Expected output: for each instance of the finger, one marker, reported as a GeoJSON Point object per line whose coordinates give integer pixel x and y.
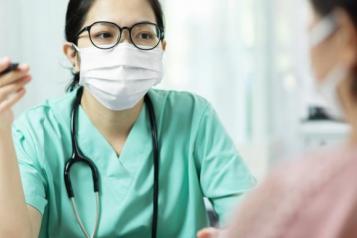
{"type": "Point", "coordinates": [22, 71]}
{"type": "Point", "coordinates": [208, 233]}
{"type": "Point", "coordinates": [4, 64]}
{"type": "Point", "coordinates": [12, 100]}
{"type": "Point", "coordinates": [12, 88]}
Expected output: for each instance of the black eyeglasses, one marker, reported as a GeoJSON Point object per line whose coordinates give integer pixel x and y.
{"type": "Point", "coordinates": [107, 35]}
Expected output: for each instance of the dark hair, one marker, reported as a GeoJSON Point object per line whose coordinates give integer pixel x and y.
{"type": "Point", "coordinates": [77, 11]}
{"type": "Point", "coordinates": [326, 7]}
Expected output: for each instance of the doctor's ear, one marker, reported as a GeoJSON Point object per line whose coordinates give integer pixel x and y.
{"type": "Point", "coordinates": [164, 44]}
{"type": "Point", "coordinates": [72, 55]}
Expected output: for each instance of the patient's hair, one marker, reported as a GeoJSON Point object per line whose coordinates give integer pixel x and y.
{"type": "Point", "coordinates": [326, 7]}
{"type": "Point", "coordinates": [77, 11]}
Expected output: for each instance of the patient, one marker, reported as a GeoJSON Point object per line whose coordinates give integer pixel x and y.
{"type": "Point", "coordinates": [315, 197]}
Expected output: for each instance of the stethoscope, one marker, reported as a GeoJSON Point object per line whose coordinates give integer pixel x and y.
{"type": "Point", "coordinates": [78, 157]}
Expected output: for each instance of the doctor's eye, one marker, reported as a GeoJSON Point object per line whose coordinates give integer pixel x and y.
{"type": "Point", "coordinates": [104, 38]}
{"type": "Point", "coordinates": [104, 35]}
{"type": "Point", "coordinates": [145, 36]}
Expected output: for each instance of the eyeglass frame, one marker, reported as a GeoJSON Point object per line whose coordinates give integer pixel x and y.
{"type": "Point", "coordinates": [121, 29]}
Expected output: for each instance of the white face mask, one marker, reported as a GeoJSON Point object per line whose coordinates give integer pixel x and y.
{"type": "Point", "coordinates": [329, 90]}
{"type": "Point", "coordinates": [328, 86]}
{"type": "Point", "coordinates": [120, 77]}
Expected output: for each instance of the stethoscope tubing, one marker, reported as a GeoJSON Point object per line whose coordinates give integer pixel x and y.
{"type": "Point", "coordinates": [77, 157]}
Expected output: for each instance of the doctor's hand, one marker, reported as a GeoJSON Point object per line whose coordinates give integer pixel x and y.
{"type": "Point", "coordinates": [12, 89]}
{"type": "Point", "coordinates": [211, 233]}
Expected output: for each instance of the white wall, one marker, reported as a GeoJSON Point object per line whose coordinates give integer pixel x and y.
{"type": "Point", "coordinates": [33, 32]}
{"type": "Point", "coordinates": [248, 57]}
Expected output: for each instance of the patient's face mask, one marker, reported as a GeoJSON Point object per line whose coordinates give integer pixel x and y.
{"type": "Point", "coordinates": [120, 77]}
{"type": "Point", "coordinates": [328, 86]}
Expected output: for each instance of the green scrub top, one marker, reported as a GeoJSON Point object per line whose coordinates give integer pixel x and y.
{"type": "Point", "coordinates": [198, 159]}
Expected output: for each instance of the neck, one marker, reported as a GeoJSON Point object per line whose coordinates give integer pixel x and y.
{"type": "Point", "coordinates": [112, 124]}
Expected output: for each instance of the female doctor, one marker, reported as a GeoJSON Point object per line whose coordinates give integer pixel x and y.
{"type": "Point", "coordinates": [113, 157]}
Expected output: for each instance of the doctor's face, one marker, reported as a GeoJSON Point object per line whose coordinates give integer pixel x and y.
{"type": "Point", "coordinates": [121, 12]}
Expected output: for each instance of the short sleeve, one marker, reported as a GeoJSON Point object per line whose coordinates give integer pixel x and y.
{"type": "Point", "coordinates": [32, 177]}
{"type": "Point", "coordinates": [224, 176]}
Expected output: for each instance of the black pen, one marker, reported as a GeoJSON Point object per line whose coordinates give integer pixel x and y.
{"type": "Point", "coordinates": [12, 67]}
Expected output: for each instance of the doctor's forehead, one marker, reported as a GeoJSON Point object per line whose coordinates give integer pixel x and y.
{"type": "Point", "coordinates": [121, 12]}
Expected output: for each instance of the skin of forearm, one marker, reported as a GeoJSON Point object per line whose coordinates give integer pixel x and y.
{"type": "Point", "coordinates": [13, 210]}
